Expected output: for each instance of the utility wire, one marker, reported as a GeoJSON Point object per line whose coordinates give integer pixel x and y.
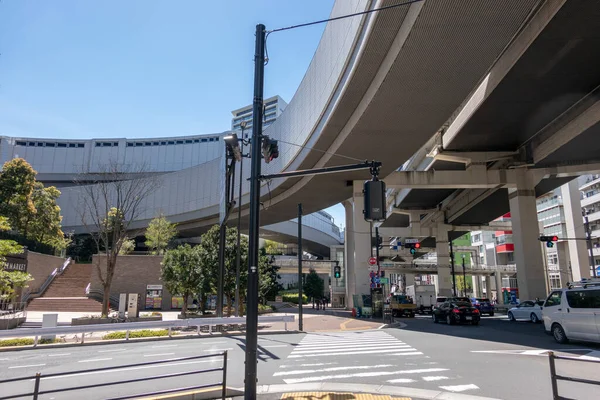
{"type": "Point", "coordinates": [344, 16]}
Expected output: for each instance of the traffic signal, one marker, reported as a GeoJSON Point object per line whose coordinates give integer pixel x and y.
{"type": "Point", "coordinates": [337, 272]}
{"type": "Point", "coordinates": [270, 149]}
{"type": "Point", "coordinates": [549, 240]}
{"type": "Point", "coordinates": [413, 247]}
{"type": "Point", "coordinates": [374, 196]}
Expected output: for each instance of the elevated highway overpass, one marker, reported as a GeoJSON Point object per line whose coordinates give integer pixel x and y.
{"type": "Point", "coordinates": [531, 125]}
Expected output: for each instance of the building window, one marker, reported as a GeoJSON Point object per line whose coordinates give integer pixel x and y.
{"type": "Point", "coordinates": [204, 140]}
{"type": "Point", "coordinates": [189, 141]}
{"type": "Point", "coordinates": [21, 143]}
{"type": "Point", "coordinates": [80, 145]}
{"type": "Point", "coordinates": [129, 144]}
{"type": "Point", "coordinates": [170, 142]}
{"type": "Point", "coordinates": [139, 144]}
{"type": "Point", "coordinates": [61, 145]}
{"type": "Point", "coordinates": [180, 142]}
{"type": "Point", "coordinates": [50, 144]}
{"type": "Point", "coordinates": [211, 139]}
{"type": "Point", "coordinates": [155, 143]}
{"type": "Point", "coordinates": [115, 144]}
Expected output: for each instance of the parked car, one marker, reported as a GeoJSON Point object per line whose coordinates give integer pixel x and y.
{"type": "Point", "coordinates": [573, 313]}
{"type": "Point", "coordinates": [453, 312]}
{"type": "Point", "coordinates": [484, 306]}
{"type": "Point", "coordinates": [528, 310]}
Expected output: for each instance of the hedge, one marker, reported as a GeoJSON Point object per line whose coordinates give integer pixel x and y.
{"type": "Point", "coordinates": [137, 334]}
{"type": "Point", "coordinates": [24, 342]}
{"type": "Point", "coordinates": [293, 298]}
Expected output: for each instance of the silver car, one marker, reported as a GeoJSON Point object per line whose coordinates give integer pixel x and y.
{"type": "Point", "coordinates": [528, 310]}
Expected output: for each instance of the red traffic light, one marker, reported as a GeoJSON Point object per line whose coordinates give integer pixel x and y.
{"type": "Point", "coordinates": [555, 238]}
{"type": "Point", "coordinates": [417, 245]}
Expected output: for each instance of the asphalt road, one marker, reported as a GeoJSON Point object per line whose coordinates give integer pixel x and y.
{"type": "Point", "coordinates": [497, 359]}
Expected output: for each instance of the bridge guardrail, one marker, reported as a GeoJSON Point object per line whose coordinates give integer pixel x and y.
{"type": "Point", "coordinates": [130, 326]}
{"type": "Point", "coordinates": [554, 377]}
{"type": "Point", "coordinates": [38, 377]}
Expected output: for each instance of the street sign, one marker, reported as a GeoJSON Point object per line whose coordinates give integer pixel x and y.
{"type": "Point", "coordinates": [372, 267]}
{"type": "Point", "coordinates": [372, 286]}
{"type": "Point", "coordinates": [372, 274]}
{"type": "Point", "coordinates": [411, 240]}
{"type": "Point", "coordinates": [377, 279]}
{"type": "Point", "coordinates": [384, 280]}
{"type": "Point", "coordinates": [372, 261]}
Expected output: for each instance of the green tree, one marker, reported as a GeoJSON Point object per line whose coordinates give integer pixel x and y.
{"type": "Point", "coordinates": [182, 273]}
{"type": "Point", "coordinates": [10, 280]}
{"type": "Point", "coordinates": [127, 247]}
{"type": "Point", "coordinates": [17, 180]}
{"type": "Point", "coordinates": [210, 263]}
{"type": "Point", "coordinates": [159, 234]}
{"type": "Point", "coordinates": [268, 285]}
{"type": "Point", "coordinates": [313, 285]}
{"type": "Point", "coordinates": [460, 285]}
{"type": "Point", "coordinates": [44, 225]}
{"type": "Point", "coordinates": [273, 248]}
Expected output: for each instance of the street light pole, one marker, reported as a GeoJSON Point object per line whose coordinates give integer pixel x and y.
{"type": "Point", "coordinates": [464, 276]}
{"type": "Point", "coordinates": [238, 256]}
{"type": "Point", "coordinates": [250, 380]}
{"type": "Point", "coordinates": [300, 322]}
{"type": "Point", "coordinates": [452, 265]}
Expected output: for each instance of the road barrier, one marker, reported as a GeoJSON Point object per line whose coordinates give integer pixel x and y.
{"type": "Point", "coordinates": [555, 377]}
{"type": "Point", "coordinates": [131, 326]}
{"type": "Point", "coordinates": [37, 378]}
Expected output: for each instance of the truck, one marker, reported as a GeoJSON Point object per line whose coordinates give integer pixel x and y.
{"type": "Point", "coordinates": [402, 305]}
{"type": "Point", "coordinates": [424, 297]}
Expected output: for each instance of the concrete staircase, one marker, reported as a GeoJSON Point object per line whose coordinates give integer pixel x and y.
{"type": "Point", "coordinates": [67, 292]}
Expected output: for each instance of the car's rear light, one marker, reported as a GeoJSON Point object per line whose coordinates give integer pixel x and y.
{"type": "Point", "coordinates": [475, 311]}
{"type": "Point", "coordinates": [456, 311]}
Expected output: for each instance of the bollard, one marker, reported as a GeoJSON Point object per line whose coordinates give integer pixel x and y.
{"type": "Point", "coordinates": [198, 330]}
{"type": "Point", "coordinates": [35, 342]}
{"type": "Point", "coordinates": [169, 331]}
{"type": "Point", "coordinates": [82, 337]}
{"type": "Point", "coordinates": [127, 334]}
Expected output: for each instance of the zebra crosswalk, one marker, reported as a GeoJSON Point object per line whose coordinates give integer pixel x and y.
{"type": "Point", "coordinates": [373, 357]}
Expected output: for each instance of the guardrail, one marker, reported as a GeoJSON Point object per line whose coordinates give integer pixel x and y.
{"type": "Point", "coordinates": [38, 377]}
{"type": "Point", "coordinates": [554, 377]}
{"type": "Point", "coordinates": [131, 326]}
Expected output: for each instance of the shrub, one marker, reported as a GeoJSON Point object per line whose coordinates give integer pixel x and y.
{"type": "Point", "coordinates": [137, 334]}
{"type": "Point", "coordinates": [293, 298]}
{"type": "Point", "coordinates": [16, 342]}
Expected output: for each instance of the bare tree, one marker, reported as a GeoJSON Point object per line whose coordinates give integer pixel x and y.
{"type": "Point", "coordinates": [110, 200]}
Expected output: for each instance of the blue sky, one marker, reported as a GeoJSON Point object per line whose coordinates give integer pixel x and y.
{"type": "Point", "coordinates": [83, 69]}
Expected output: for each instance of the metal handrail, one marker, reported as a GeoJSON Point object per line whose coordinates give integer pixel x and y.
{"type": "Point", "coordinates": [554, 377]}
{"type": "Point", "coordinates": [97, 294]}
{"type": "Point", "coordinates": [130, 326]}
{"type": "Point", "coordinates": [49, 279]}
{"type": "Point", "coordinates": [38, 377]}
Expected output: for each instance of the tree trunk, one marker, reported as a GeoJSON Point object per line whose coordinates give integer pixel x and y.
{"type": "Point", "coordinates": [203, 300]}
{"type": "Point", "coordinates": [228, 297]}
{"type": "Point", "coordinates": [185, 305]}
{"type": "Point", "coordinates": [105, 300]}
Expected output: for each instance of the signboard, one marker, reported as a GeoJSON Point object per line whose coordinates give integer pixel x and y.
{"type": "Point", "coordinates": [372, 261]}
{"type": "Point", "coordinates": [384, 280]}
{"type": "Point", "coordinates": [177, 302]}
{"type": "Point", "coordinates": [15, 262]}
{"type": "Point", "coordinates": [372, 267]}
{"type": "Point", "coordinates": [372, 274]}
{"type": "Point", "coordinates": [411, 240]}
{"type": "Point", "coordinates": [153, 287]}
{"type": "Point", "coordinates": [279, 299]}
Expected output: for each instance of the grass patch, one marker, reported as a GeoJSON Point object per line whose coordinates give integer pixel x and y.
{"type": "Point", "coordinates": [264, 307]}
{"type": "Point", "coordinates": [293, 298]}
{"type": "Point", "coordinates": [25, 342]}
{"type": "Point", "coordinates": [137, 334]}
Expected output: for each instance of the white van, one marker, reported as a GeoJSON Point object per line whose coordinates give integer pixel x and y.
{"type": "Point", "coordinates": [574, 312]}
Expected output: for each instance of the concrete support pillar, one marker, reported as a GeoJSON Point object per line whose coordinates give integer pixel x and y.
{"type": "Point", "coordinates": [578, 254]}
{"type": "Point", "coordinates": [498, 287]}
{"type": "Point", "coordinates": [409, 280]}
{"type": "Point", "coordinates": [477, 286]}
{"type": "Point", "coordinates": [349, 253]}
{"type": "Point", "coordinates": [562, 249]}
{"type": "Point", "coordinates": [531, 276]}
{"type": "Point", "coordinates": [488, 287]}
{"type": "Point", "coordinates": [362, 242]}
{"type": "Point", "coordinates": [443, 259]}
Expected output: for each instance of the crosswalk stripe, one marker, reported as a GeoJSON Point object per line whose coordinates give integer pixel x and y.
{"type": "Point", "coordinates": [459, 388]}
{"type": "Point", "coordinates": [415, 353]}
{"type": "Point", "coordinates": [307, 365]}
{"type": "Point", "coordinates": [316, 346]}
{"type": "Point", "coordinates": [434, 378]}
{"type": "Point", "coordinates": [401, 380]}
{"type": "Point", "coordinates": [323, 343]}
{"type": "Point", "coordinates": [293, 355]}
{"type": "Point", "coordinates": [341, 376]}
{"type": "Point", "coordinates": [337, 348]}
{"type": "Point", "coordinates": [331, 369]}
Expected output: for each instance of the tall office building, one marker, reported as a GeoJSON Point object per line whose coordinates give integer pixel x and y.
{"type": "Point", "coordinates": [274, 106]}
{"type": "Point", "coordinates": [590, 203]}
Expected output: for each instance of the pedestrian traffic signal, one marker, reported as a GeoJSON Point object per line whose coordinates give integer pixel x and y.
{"type": "Point", "coordinates": [413, 247]}
{"type": "Point", "coordinates": [549, 240]}
{"type": "Point", "coordinates": [270, 149]}
{"type": "Point", "coordinates": [337, 272]}
{"type": "Point", "coordinates": [374, 197]}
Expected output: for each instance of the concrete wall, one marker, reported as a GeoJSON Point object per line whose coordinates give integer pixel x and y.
{"type": "Point", "coordinates": [132, 274]}
{"type": "Point", "coordinates": [40, 266]}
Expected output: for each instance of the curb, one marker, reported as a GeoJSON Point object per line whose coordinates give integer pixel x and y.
{"type": "Point", "coordinates": [136, 340]}
{"type": "Point", "coordinates": [424, 394]}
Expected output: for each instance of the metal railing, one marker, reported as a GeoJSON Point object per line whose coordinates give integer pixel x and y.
{"type": "Point", "coordinates": [37, 378]}
{"type": "Point", "coordinates": [132, 326]}
{"type": "Point", "coordinates": [554, 377]}
{"type": "Point", "coordinates": [57, 271]}
{"type": "Point", "coordinates": [98, 295]}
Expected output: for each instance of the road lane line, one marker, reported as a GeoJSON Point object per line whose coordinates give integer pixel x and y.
{"type": "Point", "coordinates": [95, 359]}
{"type": "Point", "coordinates": [307, 365]}
{"type": "Point", "coordinates": [434, 378]}
{"type": "Point", "coordinates": [229, 348]}
{"type": "Point", "coordinates": [415, 353]}
{"type": "Point", "coordinates": [157, 355]}
{"type": "Point", "coordinates": [330, 369]}
{"type": "Point", "coordinates": [59, 355]}
{"type": "Point", "coordinates": [26, 366]}
{"type": "Point", "coordinates": [165, 345]}
{"type": "Point", "coordinates": [110, 351]}
{"type": "Point", "coordinates": [459, 388]}
{"type": "Point", "coordinates": [401, 380]}
{"type": "Point", "coordinates": [275, 345]}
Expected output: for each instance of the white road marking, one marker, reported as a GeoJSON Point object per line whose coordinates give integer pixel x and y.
{"type": "Point", "coordinates": [164, 345]}
{"type": "Point", "coordinates": [592, 356]}
{"type": "Point", "coordinates": [95, 359]}
{"type": "Point", "coordinates": [110, 351]}
{"type": "Point", "coordinates": [229, 348]}
{"type": "Point", "coordinates": [275, 345]}
{"type": "Point", "coordinates": [434, 378]}
{"type": "Point", "coordinates": [4, 359]}
{"type": "Point", "coordinates": [307, 365]}
{"type": "Point", "coordinates": [349, 344]}
{"type": "Point", "coordinates": [294, 355]}
{"type": "Point", "coordinates": [26, 366]}
{"type": "Point", "coordinates": [414, 353]}
{"type": "Point", "coordinates": [339, 348]}
{"type": "Point", "coordinates": [459, 388]}
{"type": "Point", "coordinates": [330, 369]}
{"type": "Point", "coordinates": [401, 380]}
{"type": "Point", "coordinates": [118, 370]}
{"type": "Point", "coordinates": [59, 355]}
{"type": "Point", "coordinates": [361, 375]}
{"type": "Point", "coordinates": [158, 355]}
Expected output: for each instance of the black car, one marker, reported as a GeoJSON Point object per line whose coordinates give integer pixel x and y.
{"type": "Point", "coordinates": [453, 312]}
